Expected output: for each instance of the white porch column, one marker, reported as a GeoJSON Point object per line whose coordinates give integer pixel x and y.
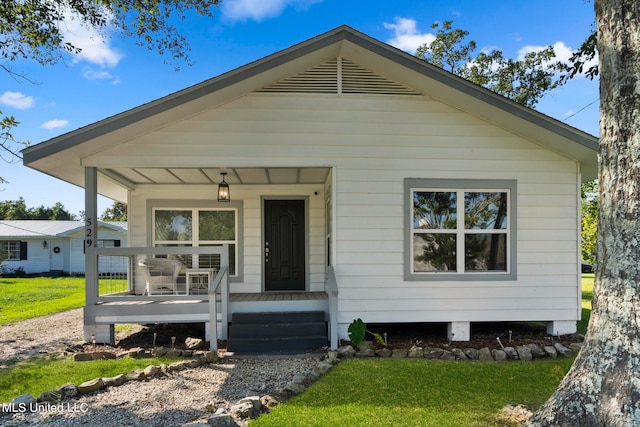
{"type": "Point", "coordinates": [92, 331]}
{"type": "Point", "coordinates": [90, 234]}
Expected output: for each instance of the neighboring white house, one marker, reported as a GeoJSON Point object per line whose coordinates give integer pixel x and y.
{"type": "Point", "coordinates": [53, 247]}
{"type": "Point", "coordinates": [358, 174]}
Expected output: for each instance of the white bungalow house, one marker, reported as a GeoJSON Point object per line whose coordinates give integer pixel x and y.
{"type": "Point", "coordinates": [54, 247]}
{"type": "Point", "coordinates": [364, 183]}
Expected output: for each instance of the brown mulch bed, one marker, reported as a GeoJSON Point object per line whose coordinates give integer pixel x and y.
{"type": "Point", "coordinates": [511, 334]}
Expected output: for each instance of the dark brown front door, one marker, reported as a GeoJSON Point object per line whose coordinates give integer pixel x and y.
{"type": "Point", "coordinates": [284, 251]}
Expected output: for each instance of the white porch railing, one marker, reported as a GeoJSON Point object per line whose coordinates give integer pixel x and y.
{"type": "Point", "coordinates": [332, 292]}
{"type": "Point", "coordinates": [219, 285]}
{"type": "Point", "coordinates": [117, 278]}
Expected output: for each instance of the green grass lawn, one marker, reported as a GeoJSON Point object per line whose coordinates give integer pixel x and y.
{"type": "Point", "coordinates": [418, 392]}
{"type": "Point", "coordinates": [44, 374]}
{"type": "Point", "coordinates": [357, 392]}
{"type": "Point", "coordinates": [22, 299]}
{"type": "Point", "coordinates": [382, 392]}
{"type": "Point", "coordinates": [587, 294]}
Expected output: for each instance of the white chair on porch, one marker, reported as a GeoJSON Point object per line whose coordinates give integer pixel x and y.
{"type": "Point", "coordinates": [160, 275]}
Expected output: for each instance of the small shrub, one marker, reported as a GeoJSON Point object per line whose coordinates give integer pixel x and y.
{"type": "Point", "coordinates": [357, 331]}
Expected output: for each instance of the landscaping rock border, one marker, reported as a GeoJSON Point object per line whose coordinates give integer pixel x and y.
{"type": "Point", "coordinates": [248, 407]}
{"type": "Point", "coordinates": [254, 406]}
{"type": "Point", "coordinates": [526, 352]}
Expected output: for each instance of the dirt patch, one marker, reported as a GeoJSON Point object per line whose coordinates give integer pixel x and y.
{"type": "Point", "coordinates": [170, 335]}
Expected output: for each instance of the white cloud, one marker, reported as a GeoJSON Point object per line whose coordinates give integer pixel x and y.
{"type": "Point", "coordinates": [259, 10]}
{"type": "Point", "coordinates": [54, 124]}
{"type": "Point", "coordinates": [91, 74]}
{"type": "Point", "coordinates": [95, 48]}
{"type": "Point", "coordinates": [17, 100]}
{"type": "Point", "coordinates": [406, 35]}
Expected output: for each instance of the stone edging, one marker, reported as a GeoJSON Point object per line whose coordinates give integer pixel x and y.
{"type": "Point", "coordinates": [253, 406]}
{"type": "Point", "coordinates": [248, 407]}
{"type": "Point", "coordinates": [525, 352]}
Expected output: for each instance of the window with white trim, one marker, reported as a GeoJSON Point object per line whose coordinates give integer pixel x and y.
{"type": "Point", "coordinates": [460, 229]}
{"type": "Point", "coordinates": [198, 227]}
{"type": "Point", "coordinates": [13, 250]}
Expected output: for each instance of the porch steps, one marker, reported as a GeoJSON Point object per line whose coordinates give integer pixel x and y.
{"type": "Point", "coordinates": [279, 332]}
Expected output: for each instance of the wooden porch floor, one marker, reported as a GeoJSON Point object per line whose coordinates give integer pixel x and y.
{"type": "Point", "coordinates": [279, 296]}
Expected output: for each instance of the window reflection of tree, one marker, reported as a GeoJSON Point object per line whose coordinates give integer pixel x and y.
{"type": "Point", "coordinates": [434, 210]}
{"type": "Point", "coordinates": [437, 252]}
{"type": "Point", "coordinates": [437, 210]}
{"type": "Point", "coordinates": [484, 211]}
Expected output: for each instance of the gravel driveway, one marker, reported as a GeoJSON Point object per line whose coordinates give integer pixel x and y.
{"type": "Point", "coordinates": [177, 399]}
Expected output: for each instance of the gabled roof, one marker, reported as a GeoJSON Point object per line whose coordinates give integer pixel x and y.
{"type": "Point", "coordinates": [63, 156]}
{"type": "Point", "coordinates": [22, 229]}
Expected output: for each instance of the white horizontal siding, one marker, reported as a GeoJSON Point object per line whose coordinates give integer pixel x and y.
{"type": "Point", "coordinates": [374, 143]}
{"type": "Point", "coordinates": [252, 243]}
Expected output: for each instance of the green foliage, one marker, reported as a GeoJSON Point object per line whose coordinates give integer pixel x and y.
{"type": "Point", "coordinates": [32, 30]}
{"type": "Point", "coordinates": [358, 330]}
{"type": "Point", "coordinates": [447, 50]}
{"type": "Point", "coordinates": [17, 209]}
{"type": "Point", "coordinates": [38, 375]}
{"type": "Point", "coordinates": [396, 392]}
{"type": "Point", "coordinates": [585, 53]}
{"type": "Point", "coordinates": [9, 149]}
{"type": "Point", "coordinates": [589, 220]}
{"type": "Point", "coordinates": [117, 212]}
{"type": "Point", "coordinates": [525, 81]}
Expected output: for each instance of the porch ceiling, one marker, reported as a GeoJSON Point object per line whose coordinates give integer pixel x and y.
{"type": "Point", "coordinates": [132, 176]}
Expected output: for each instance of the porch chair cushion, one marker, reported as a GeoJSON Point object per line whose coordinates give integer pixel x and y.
{"type": "Point", "coordinates": [160, 275]}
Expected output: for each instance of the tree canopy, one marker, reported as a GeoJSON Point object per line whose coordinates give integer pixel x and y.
{"type": "Point", "coordinates": [17, 209]}
{"type": "Point", "coordinates": [524, 80]}
{"type": "Point", "coordinates": [31, 30]}
{"type": "Point", "coordinates": [117, 212]}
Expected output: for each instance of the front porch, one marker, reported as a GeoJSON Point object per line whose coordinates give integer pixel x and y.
{"type": "Point", "coordinates": [122, 295]}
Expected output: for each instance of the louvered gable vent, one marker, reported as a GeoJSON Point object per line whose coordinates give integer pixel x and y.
{"type": "Point", "coordinates": [353, 78]}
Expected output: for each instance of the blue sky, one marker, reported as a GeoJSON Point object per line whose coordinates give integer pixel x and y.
{"type": "Point", "coordinates": [112, 74]}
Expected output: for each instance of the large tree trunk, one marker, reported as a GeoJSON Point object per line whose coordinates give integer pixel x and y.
{"type": "Point", "coordinates": [603, 386]}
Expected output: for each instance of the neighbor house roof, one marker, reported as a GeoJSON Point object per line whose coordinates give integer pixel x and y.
{"type": "Point", "coordinates": [63, 156]}
{"type": "Point", "coordinates": [22, 229]}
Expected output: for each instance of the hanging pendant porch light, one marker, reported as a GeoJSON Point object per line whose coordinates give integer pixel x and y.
{"type": "Point", "coordinates": [223, 190]}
